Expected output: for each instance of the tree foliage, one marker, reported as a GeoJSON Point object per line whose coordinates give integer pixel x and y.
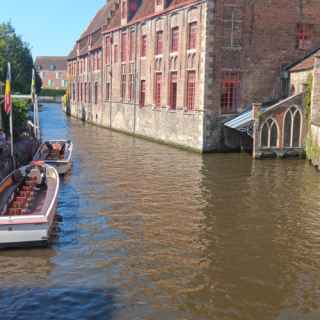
{"type": "Point", "coordinates": [13, 49]}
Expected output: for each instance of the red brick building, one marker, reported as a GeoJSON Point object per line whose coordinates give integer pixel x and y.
{"type": "Point", "coordinates": [176, 70]}
{"type": "Point", "coordinates": [53, 72]}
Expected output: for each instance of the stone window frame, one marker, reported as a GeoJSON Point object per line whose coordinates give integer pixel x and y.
{"type": "Point", "coordinates": [234, 22]}
{"type": "Point", "coordinates": [292, 126]}
{"type": "Point", "coordinates": [274, 121]}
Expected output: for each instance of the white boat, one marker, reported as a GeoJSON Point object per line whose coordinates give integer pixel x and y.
{"type": "Point", "coordinates": [28, 199]}
{"type": "Point", "coordinates": [56, 153]}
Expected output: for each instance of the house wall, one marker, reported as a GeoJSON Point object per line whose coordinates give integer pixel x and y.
{"type": "Point", "coordinates": [278, 113]}
{"type": "Point", "coordinates": [268, 42]}
{"type": "Point", "coordinates": [313, 139]}
{"type": "Point", "coordinates": [299, 80]}
{"type": "Point", "coordinates": [54, 79]}
{"type": "Point", "coordinates": [177, 126]}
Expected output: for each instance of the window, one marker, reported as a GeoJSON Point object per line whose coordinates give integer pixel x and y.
{"type": "Point", "coordinates": [108, 50]}
{"type": "Point", "coordinates": [191, 90]}
{"type": "Point", "coordinates": [131, 45]}
{"type": "Point", "coordinates": [73, 91]}
{"type": "Point", "coordinates": [96, 93]}
{"type": "Point", "coordinates": [143, 93]}
{"type": "Point", "coordinates": [304, 36]}
{"type": "Point", "coordinates": [115, 54]}
{"type": "Point", "coordinates": [157, 91]}
{"type": "Point", "coordinates": [173, 90]}
{"type": "Point", "coordinates": [292, 128]}
{"type": "Point", "coordinates": [123, 47]}
{"type": "Point", "coordinates": [230, 96]}
{"type": "Point", "coordinates": [50, 83]}
{"type": "Point", "coordinates": [269, 134]}
{"type": "Point", "coordinates": [107, 91]}
{"type": "Point", "coordinates": [175, 39]}
{"type": "Point", "coordinates": [143, 46]}
{"type": "Point", "coordinates": [81, 92]}
{"type": "Point", "coordinates": [85, 92]}
{"type": "Point", "coordinates": [98, 60]}
{"type": "Point", "coordinates": [159, 42]}
{"type": "Point", "coordinates": [232, 26]}
{"type": "Point", "coordinates": [123, 87]}
{"type": "Point", "coordinates": [89, 93]}
{"type": "Point", "coordinates": [192, 35]}
{"type": "Point", "coordinates": [78, 92]}
{"type": "Point", "coordinates": [131, 88]}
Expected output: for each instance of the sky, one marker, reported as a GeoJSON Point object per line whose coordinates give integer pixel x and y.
{"type": "Point", "coordinates": [50, 27]}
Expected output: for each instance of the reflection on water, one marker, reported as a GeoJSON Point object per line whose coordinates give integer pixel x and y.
{"type": "Point", "coordinates": [151, 232]}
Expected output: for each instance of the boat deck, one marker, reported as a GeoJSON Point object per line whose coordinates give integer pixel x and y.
{"type": "Point", "coordinates": [27, 199]}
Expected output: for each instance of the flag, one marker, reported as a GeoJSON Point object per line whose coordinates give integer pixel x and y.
{"type": "Point", "coordinates": [33, 86]}
{"type": "Point", "coordinates": [7, 97]}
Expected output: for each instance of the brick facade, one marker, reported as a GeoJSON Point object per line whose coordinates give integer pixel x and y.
{"type": "Point", "coordinates": [53, 72]}
{"type": "Point", "coordinates": [241, 49]}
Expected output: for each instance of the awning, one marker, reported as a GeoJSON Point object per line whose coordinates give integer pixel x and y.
{"type": "Point", "coordinates": [242, 122]}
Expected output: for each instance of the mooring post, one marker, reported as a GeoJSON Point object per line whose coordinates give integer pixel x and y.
{"type": "Point", "coordinates": [256, 109]}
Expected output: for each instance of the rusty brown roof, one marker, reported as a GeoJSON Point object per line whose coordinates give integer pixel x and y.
{"type": "Point", "coordinates": [145, 10]}
{"type": "Point", "coordinates": [306, 63]}
{"type": "Point", "coordinates": [51, 63]}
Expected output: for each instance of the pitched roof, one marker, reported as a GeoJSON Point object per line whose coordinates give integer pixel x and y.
{"type": "Point", "coordinates": [145, 10]}
{"type": "Point", "coordinates": [94, 26]}
{"type": "Point", "coordinates": [97, 22]}
{"type": "Point", "coordinates": [306, 63]}
{"type": "Point", "coordinates": [48, 63]}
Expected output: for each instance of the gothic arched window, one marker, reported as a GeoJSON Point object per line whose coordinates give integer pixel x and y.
{"type": "Point", "coordinates": [292, 128]}
{"type": "Point", "coordinates": [269, 134]}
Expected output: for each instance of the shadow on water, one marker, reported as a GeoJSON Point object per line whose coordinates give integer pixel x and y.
{"type": "Point", "coordinates": [45, 303]}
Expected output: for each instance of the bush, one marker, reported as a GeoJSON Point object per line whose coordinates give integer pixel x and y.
{"type": "Point", "coordinates": [19, 119]}
{"type": "Point", "coordinates": [52, 93]}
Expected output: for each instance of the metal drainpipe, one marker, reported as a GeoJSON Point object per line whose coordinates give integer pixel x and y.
{"type": "Point", "coordinates": [135, 82]}
{"type": "Point", "coordinates": [111, 80]}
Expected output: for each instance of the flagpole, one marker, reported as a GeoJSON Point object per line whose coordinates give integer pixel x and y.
{"type": "Point", "coordinates": [11, 140]}
{"type": "Point", "coordinates": [9, 109]}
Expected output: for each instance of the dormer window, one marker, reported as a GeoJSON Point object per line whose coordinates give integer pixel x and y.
{"type": "Point", "coordinates": [160, 5]}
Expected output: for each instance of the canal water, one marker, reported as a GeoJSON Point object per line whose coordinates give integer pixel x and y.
{"type": "Point", "coordinates": [146, 231]}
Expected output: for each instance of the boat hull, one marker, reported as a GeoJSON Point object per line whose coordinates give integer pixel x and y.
{"type": "Point", "coordinates": [63, 167]}
{"type": "Point", "coordinates": [30, 230]}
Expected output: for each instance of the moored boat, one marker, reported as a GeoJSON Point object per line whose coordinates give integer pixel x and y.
{"type": "Point", "coordinates": [28, 198]}
{"type": "Point", "coordinates": [56, 153]}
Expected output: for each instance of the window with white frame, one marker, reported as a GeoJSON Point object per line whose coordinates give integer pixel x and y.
{"type": "Point", "coordinates": [292, 128]}
{"type": "Point", "coordinates": [269, 134]}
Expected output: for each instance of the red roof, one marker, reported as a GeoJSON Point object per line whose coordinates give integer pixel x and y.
{"type": "Point", "coordinates": [51, 63]}
{"type": "Point", "coordinates": [145, 10]}
{"type": "Point", "coordinates": [306, 64]}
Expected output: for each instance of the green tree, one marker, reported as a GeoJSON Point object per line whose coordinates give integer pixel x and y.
{"type": "Point", "coordinates": [16, 51]}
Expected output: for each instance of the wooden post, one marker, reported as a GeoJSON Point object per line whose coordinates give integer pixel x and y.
{"type": "Point", "coordinates": [256, 108]}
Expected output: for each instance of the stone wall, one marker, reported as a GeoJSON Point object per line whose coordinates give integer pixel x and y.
{"type": "Point", "coordinates": [163, 125]}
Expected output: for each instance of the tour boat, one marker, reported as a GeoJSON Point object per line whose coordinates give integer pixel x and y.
{"type": "Point", "coordinates": [28, 198]}
{"type": "Point", "coordinates": [56, 153]}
